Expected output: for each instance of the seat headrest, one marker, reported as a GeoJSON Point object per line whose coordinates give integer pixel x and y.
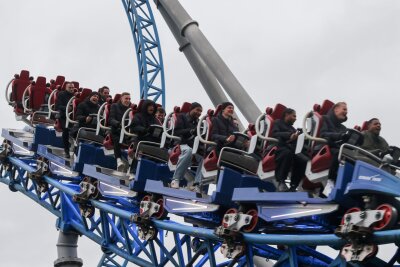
{"type": "Point", "coordinates": [278, 111]}
{"type": "Point", "coordinates": [116, 98]}
{"type": "Point", "coordinates": [40, 81]}
{"type": "Point", "coordinates": [24, 75]}
{"type": "Point", "coordinates": [364, 126]}
{"type": "Point", "coordinates": [140, 104]}
{"type": "Point", "coordinates": [186, 107]}
{"type": "Point", "coordinates": [269, 110]}
{"type": "Point", "coordinates": [76, 84]}
{"type": "Point", "coordinates": [59, 80]}
{"type": "Point", "coordinates": [326, 106]}
{"type": "Point", "coordinates": [210, 112]}
{"type": "Point", "coordinates": [218, 110]}
{"type": "Point", "coordinates": [177, 109]}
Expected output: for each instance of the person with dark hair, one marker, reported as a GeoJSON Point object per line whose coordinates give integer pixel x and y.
{"type": "Point", "coordinates": [373, 142]}
{"type": "Point", "coordinates": [336, 134]}
{"type": "Point", "coordinates": [63, 98]}
{"type": "Point", "coordinates": [186, 130]}
{"type": "Point", "coordinates": [104, 93]}
{"type": "Point", "coordinates": [85, 112]}
{"type": "Point", "coordinates": [224, 127]}
{"type": "Point", "coordinates": [160, 114]}
{"type": "Point", "coordinates": [143, 120]}
{"type": "Point", "coordinates": [116, 113]}
{"type": "Point", "coordinates": [285, 157]}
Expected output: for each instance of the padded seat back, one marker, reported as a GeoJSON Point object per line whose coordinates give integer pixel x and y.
{"type": "Point", "coordinates": [80, 97]}
{"type": "Point", "coordinates": [58, 82]}
{"type": "Point", "coordinates": [37, 93]}
{"type": "Point", "coordinates": [18, 87]}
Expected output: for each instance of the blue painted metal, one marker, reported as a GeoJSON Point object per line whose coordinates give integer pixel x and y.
{"type": "Point", "coordinates": [148, 50]}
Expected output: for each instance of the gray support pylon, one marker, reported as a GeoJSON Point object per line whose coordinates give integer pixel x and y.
{"type": "Point", "coordinates": [203, 73]}
{"type": "Point", "coordinates": [189, 29]}
{"type": "Point", "coordinates": [67, 250]}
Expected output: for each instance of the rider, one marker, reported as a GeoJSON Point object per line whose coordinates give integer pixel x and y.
{"type": "Point", "coordinates": [160, 114]}
{"type": "Point", "coordinates": [336, 134]}
{"type": "Point", "coordinates": [224, 127]}
{"type": "Point", "coordinates": [186, 129]}
{"type": "Point", "coordinates": [373, 142]}
{"type": "Point", "coordinates": [285, 157]}
{"type": "Point", "coordinates": [104, 93]}
{"type": "Point", "coordinates": [116, 113]}
{"type": "Point", "coordinates": [61, 105]}
{"type": "Point", "coordinates": [84, 111]}
{"type": "Point", "coordinates": [143, 120]}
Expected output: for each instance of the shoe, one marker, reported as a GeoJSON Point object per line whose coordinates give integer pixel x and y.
{"type": "Point", "coordinates": [330, 184]}
{"type": "Point", "coordinates": [175, 184]}
{"type": "Point", "coordinates": [120, 163]}
{"type": "Point", "coordinates": [282, 187]}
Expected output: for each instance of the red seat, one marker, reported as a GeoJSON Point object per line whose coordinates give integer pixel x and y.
{"type": "Point", "coordinates": [37, 94]}
{"type": "Point", "coordinates": [18, 86]}
{"type": "Point", "coordinates": [59, 81]}
{"type": "Point", "coordinates": [266, 168]}
{"type": "Point", "coordinates": [210, 163]}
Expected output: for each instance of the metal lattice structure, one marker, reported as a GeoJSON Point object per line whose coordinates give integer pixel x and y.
{"type": "Point", "coordinates": [147, 48]}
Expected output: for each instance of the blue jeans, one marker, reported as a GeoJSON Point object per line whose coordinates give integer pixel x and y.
{"type": "Point", "coordinates": [184, 162]}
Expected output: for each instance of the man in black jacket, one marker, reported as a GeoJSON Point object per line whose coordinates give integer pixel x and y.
{"type": "Point", "coordinates": [186, 130]}
{"type": "Point", "coordinates": [223, 127]}
{"type": "Point", "coordinates": [143, 120]}
{"type": "Point", "coordinates": [335, 133]}
{"type": "Point", "coordinates": [116, 113]}
{"type": "Point", "coordinates": [63, 98]}
{"type": "Point", "coordinates": [85, 112]}
{"type": "Point", "coordinates": [285, 157]}
{"type": "Point", "coordinates": [373, 142]}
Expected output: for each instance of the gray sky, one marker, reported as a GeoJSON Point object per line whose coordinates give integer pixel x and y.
{"type": "Point", "coordinates": [294, 52]}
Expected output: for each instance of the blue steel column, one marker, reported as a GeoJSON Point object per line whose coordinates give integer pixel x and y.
{"type": "Point", "coordinates": [148, 50]}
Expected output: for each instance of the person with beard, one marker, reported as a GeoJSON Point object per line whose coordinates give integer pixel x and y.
{"type": "Point", "coordinates": [335, 133]}
{"type": "Point", "coordinates": [143, 120]}
{"type": "Point", "coordinates": [373, 142]}
{"type": "Point", "coordinates": [116, 113]}
{"type": "Point", "coordinates": [223, 127]}
{"type": "Point", "coordinates": [104, 94]}
{"type": "Point", "coordinates": [285, 157]}
{"type": "Point", "coordinates": [160, 114]}
{"type": "Point", "coordinates": [63, 98]}
{"type": "Point", "coordinates": [186, 130]}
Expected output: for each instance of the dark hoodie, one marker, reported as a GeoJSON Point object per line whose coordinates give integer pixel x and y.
{"type": "Point", "coordinates": [116, 113]}
{"type": "Point", "coordinates": [84, 109]}
{"type": "Point", "coordinates": [61, 103]}
{"type": "Point", "coordinates": [142, 120]}
{"type": "Point", "coordinates": [332, 129]}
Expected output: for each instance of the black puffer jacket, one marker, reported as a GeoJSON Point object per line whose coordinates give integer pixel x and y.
{"type": "Point", "coordinates": [142, 120]}
{"type": "Point", "coordinates": [85, 109]}
{"type": "Point", "coordinates": [282, 131]}
{"type": "Point", "coordinates": [222, 128]}
{"type": "Point", "coordinates": [116, 113]}
{"type": "Point", "coordinates": [332, 129]}
{"type": "Point", "coordinates": [62, 101]}
{"type": "Point", "coordinates": [186, 129]}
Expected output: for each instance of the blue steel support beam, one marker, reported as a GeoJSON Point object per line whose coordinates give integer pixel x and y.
{"type": "Point", "coordinates": [147, 49]}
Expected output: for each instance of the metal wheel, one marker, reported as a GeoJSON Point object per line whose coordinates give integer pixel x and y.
{"type": "Point", "coordinates": [252, 226]}
{"type": "Point", "coordinates": [225, 220]}
{"type": "Point", "coordinates": [389, 218]}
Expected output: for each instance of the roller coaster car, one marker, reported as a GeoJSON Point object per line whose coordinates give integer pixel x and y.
{"type": "Point", "coordinates": [364, 182]}
{"type": "Point", "coordinates": [205, 209]}
{"type": "Point", "coordinates": [18, 85]}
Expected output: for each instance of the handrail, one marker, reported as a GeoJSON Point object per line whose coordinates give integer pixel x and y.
{"type": "Point", "coordinates": [257, 128]}
{"type": "Point", "coordinates": [68, 113]}
{"type": "Point", "coordinates": [165, 130]}
{"type": "Point", "coordinates": [123, 130]}
{"type": "Point", "coordinates": [7, 94]}
{"type": "Point", "coordinates": [201, 139]}
{"type": "Point", "coordinates": [363, 151]}
{"type": "Point", "coordinates": [49, 105]}
{"type": "Point", "coordinates": [306, 134]}
{"type": "Point", "coordinates": [24, 102]}
{"type": "Point", "coordinates": [100, 119]}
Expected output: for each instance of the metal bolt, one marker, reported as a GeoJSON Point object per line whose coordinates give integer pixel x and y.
{"type": "Point", "coordinates": [363, 215]}
{"type": "Point", "coordinates": [236, 218]}
{"type": "Point", "coordinates": [377, 215]}
{"type": "Point", "coordinates": [226, 218]}
{"type": "Point", "coordinates": [348, 217]}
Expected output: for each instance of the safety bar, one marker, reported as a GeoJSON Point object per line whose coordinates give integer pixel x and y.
{"type": "Point", "coordinates": [165, 125]}
{"type": "Point", "coordinates": [201, 139]}
{"type": "Point", "coordinates": [49, 105]}
{"type": "Point", "coordinates": [258, 131]}
{"type": "Point", "coordinates": [7, 93]}
{"type": "Point", "coordinates": [123, 126]}
{"type": "Point", "coordinates": [230, 149]}
{"type": "Point", "coordinates": [69, 113]}
{"type": "Point", "coordinates": [305, 130]}
{"type": "Point", "coordinates": [101, 118]}
{"type": "Point", "coordinates": [25, 101]}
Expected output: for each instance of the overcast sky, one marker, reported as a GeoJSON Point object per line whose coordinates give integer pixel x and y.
{"type": "Point", "coordinates": [294, 52]}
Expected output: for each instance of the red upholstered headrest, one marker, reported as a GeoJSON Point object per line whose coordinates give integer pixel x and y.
{"type": "Point", "coordinates": [24, 75]}
{"type": "Point", "coordinates": [85, 93]}
{"type": "Point", "coordinates": [76, 85]}
{"type": "Point", "coordinates": [116, 98]}
{"type": "Point", "coordinates": [185, 107]}
{"type": "Point", "coordinates": [218, 110]}
{"type": "Point", "coordinates": [278, 111]}
{"type": "Point", "coordinates": [317, 107]}
{"type": "Point", "coordinates": [139, 105]}
{"type": "Point", "coordinates": [177, 109]}
{"type": "Point", "coordinates": [269, 110]}
{"type": "Point", "coordinates": [357, 127]}
{"type": "Point", "coordinates": [40, 81]}
{"type": "Point", "coordinates": [210, 112]}
{"type": "Point", "coordinates": [364, 126]}
{"type": "Point", "coordinates": [59, 80]}
{"type": "Point", "coordinates": [326, 106]}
